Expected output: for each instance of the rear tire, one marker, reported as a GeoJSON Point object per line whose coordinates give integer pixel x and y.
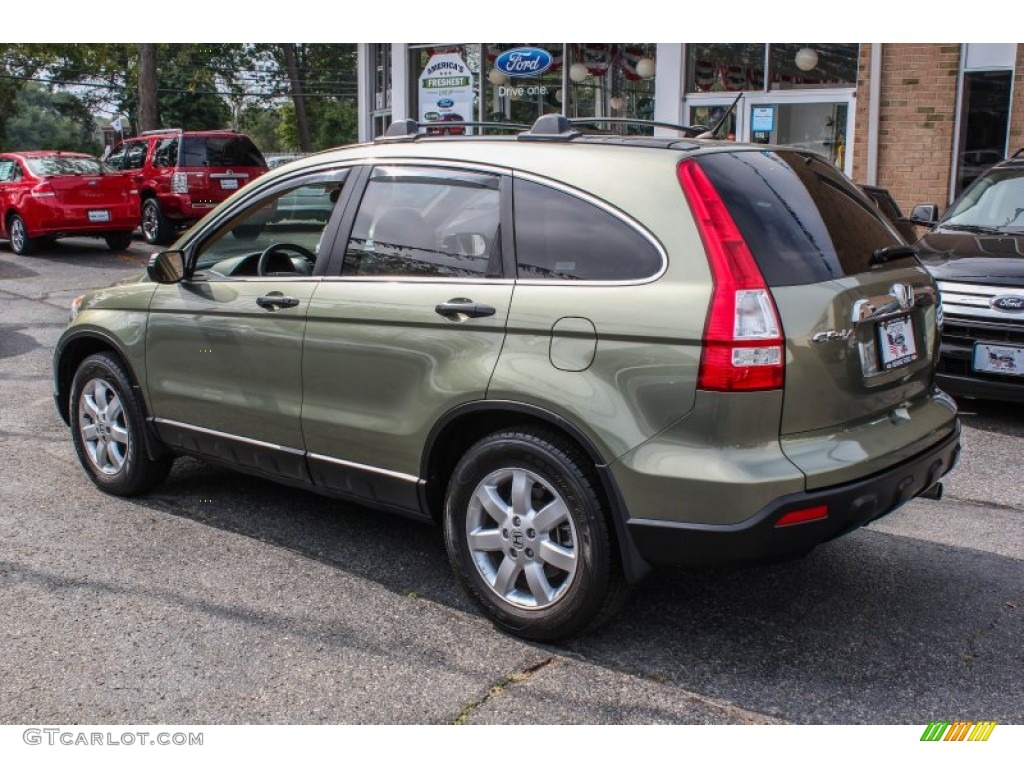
{"type": "Point", "coordinates": [107, 428]}
{"type": "Point", "coordinates": [156, 227]}
{"type": "Point", "coordinates": [118, 241]}
{"type": "Point", "coordinates": [21, 243]}
{"type": "Point", "coordinates": [529, 536]}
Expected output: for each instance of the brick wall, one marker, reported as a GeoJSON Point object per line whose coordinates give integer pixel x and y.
{"type": "Point", "coordinates": [917, 114]}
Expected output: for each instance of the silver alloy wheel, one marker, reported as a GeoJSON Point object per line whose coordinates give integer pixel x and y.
{"type": "Point", "coordinates": [18, 234]}
{"type": "Point", "coordinates": [103, 426]}
{"type": "Point", "coordinates": [150, 221]}
{"type": "Point", "coordinates": [522, 538]}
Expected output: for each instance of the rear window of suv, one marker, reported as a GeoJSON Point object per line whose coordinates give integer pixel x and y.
{"type": "Point", "coordinates": [802, 219]}
{"type": "Point", "coordinates": [206, 151]}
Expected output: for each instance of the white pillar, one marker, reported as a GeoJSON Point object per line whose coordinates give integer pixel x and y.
{"type": "Point", "coordinates": [668, 87]}
{"type": "Point", "coordinates": [400, 83]}
{"type": "Point", "coordinates": [364, 89]}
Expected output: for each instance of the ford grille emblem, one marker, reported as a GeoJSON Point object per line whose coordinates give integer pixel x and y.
{"type": "Point", "coordinates": [524, 62]}
{"type": "Point", "coordinates": [1009, 303]}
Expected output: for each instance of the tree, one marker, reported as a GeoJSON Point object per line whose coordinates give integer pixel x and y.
{"type": "Point", "coordinates": [50, 120]}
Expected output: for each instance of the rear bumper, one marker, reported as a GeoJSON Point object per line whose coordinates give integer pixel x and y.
{"type": "Point", "coordinates": [983, 387]}
{"type": "Point", "coordinates": [850, 506]}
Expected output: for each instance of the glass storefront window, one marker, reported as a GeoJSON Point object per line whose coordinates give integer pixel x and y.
{"type": "Point", "coordinates": [720, 67]}
{"type": "Point", "coordinates": [708, 116]}
{"type": "Point", "coordinates": [445, 85]}
{"type": "Point", "coordinates": [819, 127]}
{"type": "Point", "coordinates": [512, 92]}
{"type": "Point", "coordinates": [612, 80]}
{"type": "Point", "coordinates": [984, 120]}
{"type": "Point", "coordinates": [813, 65]}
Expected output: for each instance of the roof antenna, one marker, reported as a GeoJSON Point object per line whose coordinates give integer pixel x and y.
{"type": "Point", "coordinates": [713, 133]}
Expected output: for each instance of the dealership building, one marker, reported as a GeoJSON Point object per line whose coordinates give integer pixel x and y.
{"type": "Point", "coordinates": [922, 119]}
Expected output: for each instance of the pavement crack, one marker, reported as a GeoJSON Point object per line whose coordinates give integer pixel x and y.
{"type": "Point", "coordinates": [500, 687]}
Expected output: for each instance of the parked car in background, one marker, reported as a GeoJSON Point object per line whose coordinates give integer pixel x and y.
{"type": "Point", "coordinates": [182, 175]}
{"type": "Point", "coordinates": [976, 253]}
{"type": "Point", "coordinates": [45, 195]}
{"type": "Point", "coordinates": [581, 355]}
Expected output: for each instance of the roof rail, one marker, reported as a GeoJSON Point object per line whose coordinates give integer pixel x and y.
{"type": "Point", "coordinates": [161, 130]}
{"type": "Point", "coordinates": [550, 128]}
{"type": "Point", "coordinates": [409, 130]}
{"type": "Point", "coordinates": [691, 130]}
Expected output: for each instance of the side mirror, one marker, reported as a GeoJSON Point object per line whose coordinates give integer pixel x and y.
{"type": "Point", "coordinates": [925, 215]}
{"type": "Point", "coordinates": [166, 267]}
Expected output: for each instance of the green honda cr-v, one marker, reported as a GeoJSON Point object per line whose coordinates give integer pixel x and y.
{"type": "Point", "coordinates": [582, 355]}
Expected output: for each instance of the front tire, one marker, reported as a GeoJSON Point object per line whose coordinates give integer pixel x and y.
{"type": "Point", "coordinates": [107, 427]}
{"type": "Point", "coordinates": [21, 243]}
{"type": "Point", "coordinates": [528, 534]}
{"type": "Point", "coordinates": [156, 228]}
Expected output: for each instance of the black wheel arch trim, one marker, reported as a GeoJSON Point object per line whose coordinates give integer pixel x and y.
{"type": "Point", "coordinates": [634, 565]}
{"type": "Point", "coordinates": [63, 375]}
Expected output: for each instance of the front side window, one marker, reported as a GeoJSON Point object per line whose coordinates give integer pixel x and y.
{"type": "Point", "coordinates": [116, 158]}
{"type": "Point", "coordinates": [166, 154]}
{"type": "Point", "coordinates": [418, 222]}
{"type": "Point", "coordinates": [562, 237]}
{"type": "Point", "coordinates": [281, 235]}
{"type": "Point", "coordinates": [135, 156]}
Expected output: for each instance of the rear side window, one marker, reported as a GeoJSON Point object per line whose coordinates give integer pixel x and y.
{"type": "Point", "coordinates": [166, 153]}
{"type": "Point", "coordinates": [200, 151]}
{"type": "Point", "coordinates": [802, 219]}
{"type": "Point", "coordinates": [562, 237]}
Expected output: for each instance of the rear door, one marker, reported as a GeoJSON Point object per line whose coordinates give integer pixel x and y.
{"type": "Point", "coordinates": [859, 314]}
{"type": "Point", "coordinates": [409, 326]}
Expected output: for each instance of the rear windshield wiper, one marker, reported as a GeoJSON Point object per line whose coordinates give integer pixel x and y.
{"type": "Point", "coordinates": [883, 255]}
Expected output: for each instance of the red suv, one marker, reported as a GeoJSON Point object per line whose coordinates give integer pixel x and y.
{"type": "Point", "coordinates": [182, 175]}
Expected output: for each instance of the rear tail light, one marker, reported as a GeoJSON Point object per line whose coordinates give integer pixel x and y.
{"type": "Point", "coordinates": [179, 183]}
{"type": "Point", "coordinates": [43, 189]}
{"type": "Point", "coordinates": [743, 343]}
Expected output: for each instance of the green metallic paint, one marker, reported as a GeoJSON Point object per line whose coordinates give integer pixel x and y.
{"type": "Point", "coordinates": [381, 366]}
{"type": "Point", "coordinates": [219, 361]}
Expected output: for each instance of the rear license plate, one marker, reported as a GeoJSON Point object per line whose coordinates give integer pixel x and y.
{"type": "Point", "coordinates": [97, 216]}
{"type": "Point", "coordinates": [896, 342]}
{"type": "Point", "coordinates": [229, 183]}
{"type": "Point", "coordinates": [995, 358]}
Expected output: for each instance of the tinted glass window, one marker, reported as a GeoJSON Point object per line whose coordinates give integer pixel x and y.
{"type": "Point", "coordinates": [116, 158]}
{"type": "Point", "coordinates": [562, 237]}
{"type": "Point", "coordinates": [135, 155]}
{"type": "Point", "coordinates": [200, 151]}
{"type": "Point", "coordinates": [802, 219]}
{"type": "Point", "coordinates": [166, 154]}
{"type": "Point", "coordinates": [8, 170]}
{"type": "Point", "coordinates": [427, 223]}
{"type": "Point", "coordinates": [65, 166]}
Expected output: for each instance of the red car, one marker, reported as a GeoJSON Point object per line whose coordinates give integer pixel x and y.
{"type": "Point", "coordinates": [45, 195]}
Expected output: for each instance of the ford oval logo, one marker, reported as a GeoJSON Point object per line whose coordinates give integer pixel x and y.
{"type": "Point", "coordinates": [524, 62]}
{"type": "Point", "coordinates": [446, 103]}
{"type": "Point", "coordinates": [1009, 303]}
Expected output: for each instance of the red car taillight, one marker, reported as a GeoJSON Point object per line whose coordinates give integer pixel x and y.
{"type": "Point", "coordinates": [179, 182]}
{"type": "Point", "coordinates": [743, 342]}
{"type": "Point", "coordinates": [42, 189]}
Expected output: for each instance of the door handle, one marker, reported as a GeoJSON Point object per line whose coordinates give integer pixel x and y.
{"type": "Point", "coordinates": [276, 300]}
{"type": "Point", "coordinates": [465, 307]}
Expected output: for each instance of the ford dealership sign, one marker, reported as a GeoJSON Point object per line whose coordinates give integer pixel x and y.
{"type": "Point", "coordinates": [524, 62]}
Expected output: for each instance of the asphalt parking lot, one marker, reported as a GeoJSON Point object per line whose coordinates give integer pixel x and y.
{"type": "Point", "coordinates": [226, 599]}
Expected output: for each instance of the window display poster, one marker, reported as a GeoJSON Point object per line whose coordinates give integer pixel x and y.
{"type": "Point", "coordinates": [763, 119]}
{"type": "Point", "coordinates": [446, 93]}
